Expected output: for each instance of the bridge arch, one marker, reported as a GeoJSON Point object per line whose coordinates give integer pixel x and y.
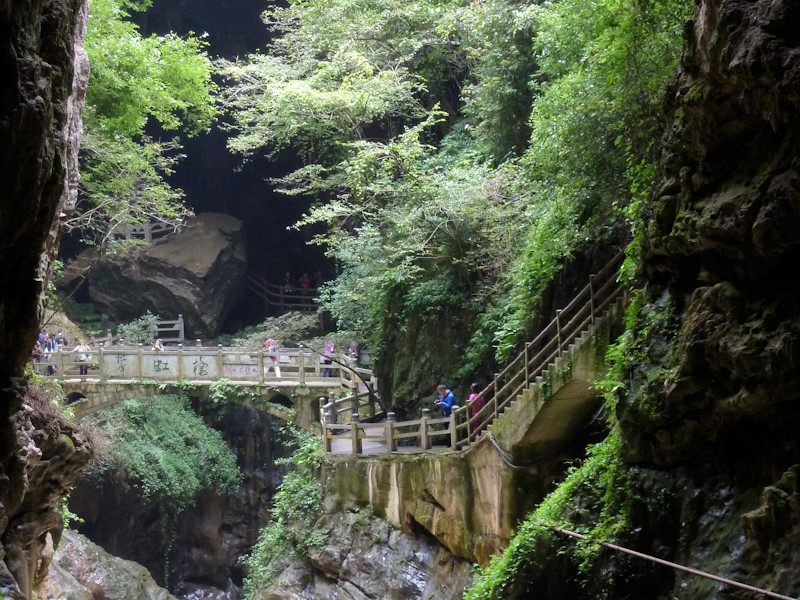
{"type": "Point", "coordinates": [75, 397]}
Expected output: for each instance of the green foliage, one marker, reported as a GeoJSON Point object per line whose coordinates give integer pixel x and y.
{"type": "Point", "coordinates": [288, 329]}
{"type": "Point", "coordinates": [166, 451]}
{"type": "Point", "coordinates": [295, 508]}
{"type": "Point", "coordinates": [67, 516]}
{"type": "Point", "coordinates": [224, 390]}
{"type": "Point", "coordinates": [134, 80]}
{"type": "Point", "coordinates": [139, 331]}
{"type": "Point", "coordinates": [495, 140]}
{"type": "Point", "coordinates": [594, 500]}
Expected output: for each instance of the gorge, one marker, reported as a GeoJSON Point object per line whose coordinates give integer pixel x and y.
{"type": "Point", "coordinates": [700, 462]}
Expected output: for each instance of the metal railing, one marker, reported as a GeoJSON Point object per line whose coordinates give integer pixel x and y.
{"type": "Point", "coordinates": [282, 297]}
{"type": "Point", "coordinates": [461, 428]}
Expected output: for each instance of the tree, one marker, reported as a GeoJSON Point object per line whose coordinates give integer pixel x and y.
{"type": "Point", "coordinates": [492, 140]}
{"type": "Point", "coordinates": [136, 81]}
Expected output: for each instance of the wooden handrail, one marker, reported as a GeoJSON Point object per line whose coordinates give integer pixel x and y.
{"type": "Point", "coordinates": [532, 362]}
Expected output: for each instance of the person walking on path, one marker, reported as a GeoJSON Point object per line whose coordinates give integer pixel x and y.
{"type": "Point", "coordinates": [326, 359]}
{"type": "Point", "coordinates": [446, 400]}
{"type": "Point", "coordinates": [82, 354]}
{"type": "Point", "coordinates": [272, 356]}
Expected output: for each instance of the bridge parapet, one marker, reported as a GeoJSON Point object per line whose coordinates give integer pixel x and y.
{"type": "Point", "coordinates": [204, 364]}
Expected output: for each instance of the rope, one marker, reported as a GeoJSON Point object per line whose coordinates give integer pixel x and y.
{"type": "Point", "coordinates": [672, 565]}
{"type": "Point", "coordinates": [505, 455]}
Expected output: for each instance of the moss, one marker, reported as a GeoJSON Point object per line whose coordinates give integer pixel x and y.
{"type": "Point", "coordinates": [595, 500]}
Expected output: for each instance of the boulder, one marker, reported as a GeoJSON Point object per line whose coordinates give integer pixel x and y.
{"type": "Point", "coordinates": [198, 272]}
{"type": "Point", "coordinates": [82, 570]}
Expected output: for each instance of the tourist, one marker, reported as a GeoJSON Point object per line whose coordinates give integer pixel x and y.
{"type": "Point", "coordinates": [326, 359]}
{"type": "Point", "coordinates": [475, 400]}
{"type": "Point", "coordinates": [49, 347]}
{"type": "Point", "coordinates": [158, 346]}
{"type": "Point", "coordinates": [305, 282]}
{"type": "Point", "coordinates": [272, 357]}
{"type": "Point", "coordinates": [61, 339]}
{"type": "Point", "coordinates": [445, 401]}
{"type": "Point", "coordinates": [354, 352]}
{"type": "Point", "coordinates": [82, 355]}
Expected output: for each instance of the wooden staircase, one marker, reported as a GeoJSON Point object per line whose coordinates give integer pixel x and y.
{"type": "Point", "coordinates": [518, 395]}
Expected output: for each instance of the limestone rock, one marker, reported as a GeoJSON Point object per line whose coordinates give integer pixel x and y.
{"type": "Point", "coordinates": [84, 571]}
{"type": "Point", "coordinates": [211, 535]}
{"type": "Point", "coordinates": [366, 558]}
{"type": "Point", "coordinates": [197, 272]}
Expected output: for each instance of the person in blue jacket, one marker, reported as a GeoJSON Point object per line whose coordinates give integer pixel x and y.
{"type": "Point", "coordinates": [446, 400]}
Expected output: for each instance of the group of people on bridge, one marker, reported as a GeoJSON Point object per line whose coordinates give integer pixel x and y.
{"type": "Point", "coordinates": [47, 344]}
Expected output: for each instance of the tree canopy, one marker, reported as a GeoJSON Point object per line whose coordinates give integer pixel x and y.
{"type": "Point", "coordinates": [135, 83]}
{"type": "Point", "coordinates": [458, 152]}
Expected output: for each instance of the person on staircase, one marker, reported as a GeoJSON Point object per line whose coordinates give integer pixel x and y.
{"type": "Point", "coordinates": [445, 401]}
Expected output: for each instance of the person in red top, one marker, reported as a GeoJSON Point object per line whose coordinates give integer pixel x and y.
{"type": "Point", "coordinates": [272, 357]}
{"type": "Point", "coordinates": [475, 400]}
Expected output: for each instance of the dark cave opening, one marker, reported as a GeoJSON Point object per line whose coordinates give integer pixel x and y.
{"type": "Point", "coordinates": [215, 180]}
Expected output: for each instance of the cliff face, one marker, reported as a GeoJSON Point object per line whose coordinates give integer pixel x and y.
{"type": "Point", "coordinates": [198, 272]}
{"type": "Point", "coordinates": [721, 241]}
{"type": "Point", "coordinates": [43, 74]}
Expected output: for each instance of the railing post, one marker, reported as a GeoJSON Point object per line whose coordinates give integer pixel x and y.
{"type": "Point", "coordinates": [591, 296]}
{"type": "Point", "coordinates": [301, 366]}
{"type": "Point", "coordinates": [558, 329]}
{"type": "Point", "coordinates": [354, 404]}
{"type": "Point", "coordinates": [391, 443]}
{"type": "Point", "coordinates": [327, 434]}
{"type": "Point", "coordinates": [494, 397]}
{"type": "Point", "coordinates": [261, 368]}
{"type": "Point", "coordinates": [423, 429]}
{"type": "Point", "coordinates": [139, 361]}
{"type": "Point", "coordinates": [101, 363]}
{"type": "Point", "coordinates": [181, 331]}
{"type": "Point", "coordinates": [322, 415]}
{"type": "Point", "coordinates": [334, 412]}
{"type": "Point", "coordinates": [527, 374]}
{"type": "Point", "coordinates": [354, 432]}
{"type": "Point", "coordinates": [219, 361]}
{"type": "Point", "coordinates": [180, 362]}
{"type": "Point", "coordinates": [453, 432]}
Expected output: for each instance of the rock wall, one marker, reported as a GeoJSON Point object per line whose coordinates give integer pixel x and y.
{"type": "Point", "coordinates": [43, 74]}
{"type": "Point", "coordinates": [711, 407]}
{"type": "Point", "coordinates": [721, 242]}
{"type": "Point", "coordinates": [211, 536]}
{"type": "Point", "coordinates": [198, 272]}
{"type": "Point", "coordinates": [468, 502]}
{"type": "Point", "coordinates": [367, 558]}
{"type": "Point", "coordinates": [82, 570]}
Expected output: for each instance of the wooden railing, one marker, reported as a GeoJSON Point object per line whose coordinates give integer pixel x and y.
{"type": "Point", "coordinates": [201, 364]}
{"type": "Point", "coordinates": [282, 297]}
{"type": "Point", "coordinates": [170, 332]}
{"type": "Point", "coordinates": [153, 233]}
{"type": "Point", "coordinates": [461, 429]}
